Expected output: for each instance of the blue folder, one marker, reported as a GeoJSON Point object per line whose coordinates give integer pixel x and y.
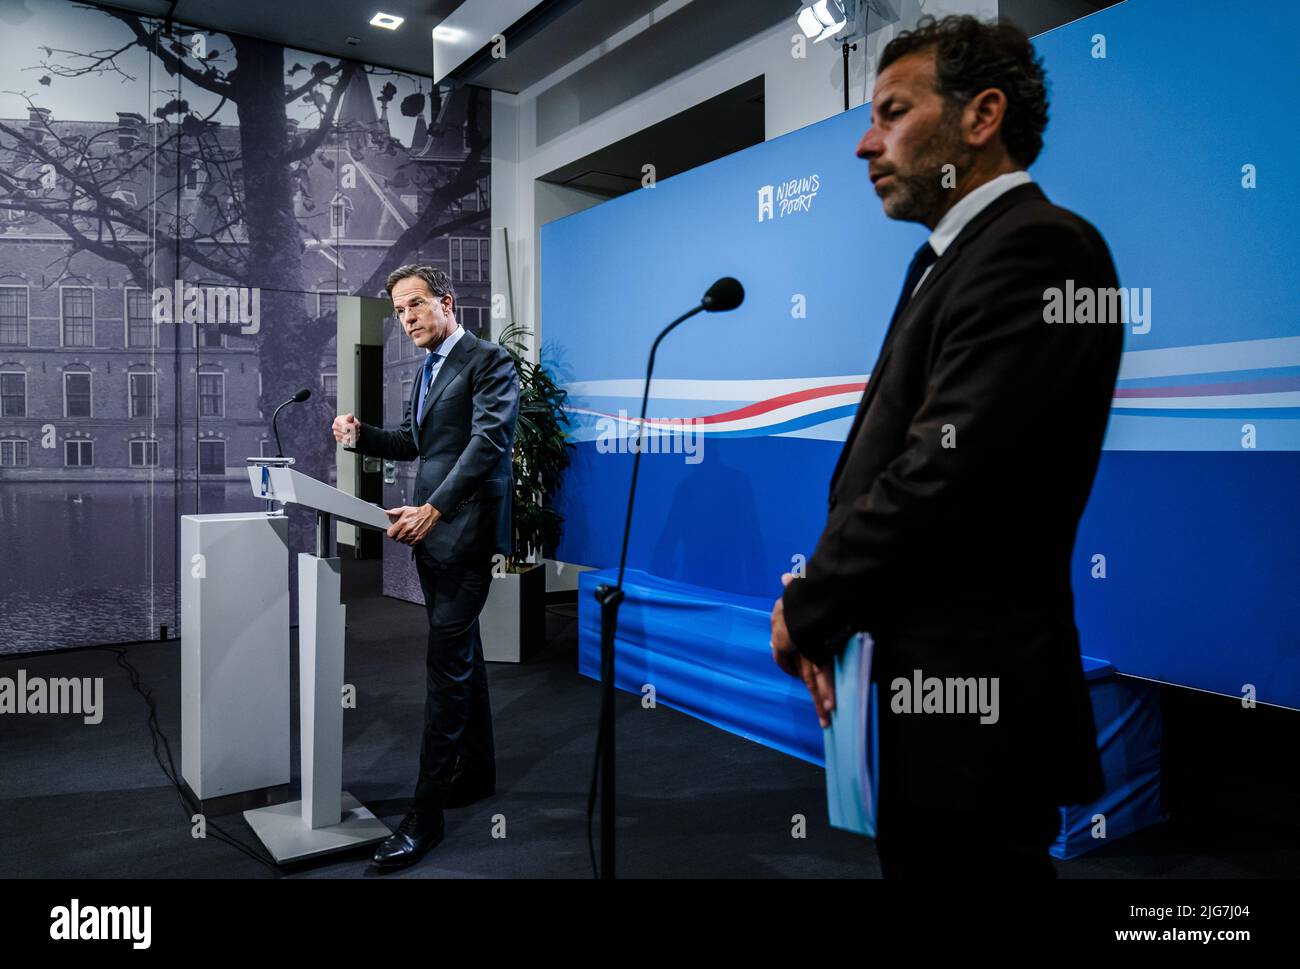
{"type": "Point", "coordinates": [852, 754]}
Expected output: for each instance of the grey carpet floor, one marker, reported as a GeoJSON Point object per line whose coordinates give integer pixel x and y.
{"type": "Point", "coordinates": [90, 801]}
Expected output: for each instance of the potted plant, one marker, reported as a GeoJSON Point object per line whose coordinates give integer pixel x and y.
{"type": "Point", "coordinates": [514, 618]}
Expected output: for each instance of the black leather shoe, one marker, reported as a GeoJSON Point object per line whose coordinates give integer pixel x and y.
{"type": "Point", "coordinates": [418, 832]}
{"type": "Point", "coordinates": [465, 792]}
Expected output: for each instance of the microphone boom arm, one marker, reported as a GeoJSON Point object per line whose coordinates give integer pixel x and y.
{"type": "Point", "coordinates": [297, 398]}
{"type": "Point", "coordinates": [640, 429]}
{"type": "Point", "coordinates": [279, 451]}
{"type": "Point", "coordinates": [725, 294]}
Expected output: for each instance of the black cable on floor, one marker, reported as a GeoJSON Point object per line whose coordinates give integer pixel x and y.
{"type": "Point", "coordinates": [169, 768]}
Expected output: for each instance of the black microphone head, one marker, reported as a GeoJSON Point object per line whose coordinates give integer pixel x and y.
{"type": "Point", "coordinates": [302, 395]}
{"type": "Point", "coordinates": [725, 294]}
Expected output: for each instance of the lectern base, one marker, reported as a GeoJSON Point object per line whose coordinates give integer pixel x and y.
{"type": "Point", "coordinates": [280, 828]}
{"type": "Point", "coordinates": [237, 803]}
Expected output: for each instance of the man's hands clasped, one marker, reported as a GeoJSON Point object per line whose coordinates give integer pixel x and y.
{"type": "Point", "coordinates": [819, 680]}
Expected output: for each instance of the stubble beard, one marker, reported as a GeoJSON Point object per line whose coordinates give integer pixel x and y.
{"type": "Point", "coordinates": [920, 194]}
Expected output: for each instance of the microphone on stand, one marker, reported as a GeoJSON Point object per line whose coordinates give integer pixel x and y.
{"type": "Point", "coordinates": [297, 398]}
{"type": "Point", "coordinates": [725, 294]}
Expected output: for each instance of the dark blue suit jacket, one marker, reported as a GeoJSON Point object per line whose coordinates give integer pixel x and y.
{"type": "Point", "coordinates": [463, 440]}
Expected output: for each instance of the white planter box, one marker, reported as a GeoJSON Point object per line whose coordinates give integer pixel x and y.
{"type": "Point", "coordinates": [513, 621]}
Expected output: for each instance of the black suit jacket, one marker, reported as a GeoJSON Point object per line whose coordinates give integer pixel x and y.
{"type": "Point", "coordinates": [954, 506]}
{"type": "Point", "coordinates": [463, 441]}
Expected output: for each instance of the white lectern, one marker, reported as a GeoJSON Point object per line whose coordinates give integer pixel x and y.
{"type": "Point", "coordinates": [235, 657]}
{"type": "Point", "coordinates": [327, 819]}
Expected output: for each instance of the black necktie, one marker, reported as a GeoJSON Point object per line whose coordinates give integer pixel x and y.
{"type": "Point", "coordinates": [923, 260]}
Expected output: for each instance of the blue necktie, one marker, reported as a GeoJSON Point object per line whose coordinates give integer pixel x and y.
{"type": "Point", "coordinates": [925, 257]}
{"type": "Point", "coordinates": [425, 379]}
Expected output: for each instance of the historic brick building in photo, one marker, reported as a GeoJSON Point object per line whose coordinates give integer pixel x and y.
{"type": "Point", "coordinates": [90, 386]}
{"type": "Point", "coordinates": [133, 157]}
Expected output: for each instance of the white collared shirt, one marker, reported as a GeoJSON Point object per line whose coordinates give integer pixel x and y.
{"type": "Point", "coordinates": [971, 205]}
{"type": "Point", "coordinates": [444, 349]}
{"type": "Point", "coordinates": [441, 354]}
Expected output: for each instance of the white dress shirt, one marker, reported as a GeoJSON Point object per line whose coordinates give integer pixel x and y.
{"type": "Point", "coordinates": [956, 218]}
{"type": "Point", "coordinates": [440, 357]}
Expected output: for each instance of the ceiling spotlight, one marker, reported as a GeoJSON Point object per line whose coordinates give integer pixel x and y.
{"type": "Point", "coordinates": [449, 34]}
{"type": "Point", "coordinates": [822, 19]}
{"type": "Point", "coordinates": [386, 20]}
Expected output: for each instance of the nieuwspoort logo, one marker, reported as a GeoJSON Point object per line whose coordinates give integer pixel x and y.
{"type": "Point", "coordinates": [788, 198]}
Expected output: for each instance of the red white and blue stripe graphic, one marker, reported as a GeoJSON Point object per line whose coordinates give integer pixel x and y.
{"type": "Point", "coordinates": [720, 408]}
{"type": "Point", "coordinates": [1247, 380]}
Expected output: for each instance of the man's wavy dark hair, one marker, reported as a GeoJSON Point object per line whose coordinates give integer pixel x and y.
{"type": "Point", "coordinates": [971, 56]}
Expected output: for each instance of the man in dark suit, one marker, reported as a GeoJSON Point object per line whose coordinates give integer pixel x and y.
{"type": "Point", "coordinates": [954, 505]}
{"type": "Point", "coordinates": [460, 426]}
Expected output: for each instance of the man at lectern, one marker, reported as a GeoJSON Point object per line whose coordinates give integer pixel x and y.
{"type": "Point", "coordinates": [460, 428]}
{"type": "Point", "coordinates": [954, 505]}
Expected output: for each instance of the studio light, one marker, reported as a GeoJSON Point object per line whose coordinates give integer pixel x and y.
{"type": "Point", "coordinates": [450, 35]}
{"type": "Point", "coordinates": [386, 20]}
{"type": "Point", "coordinates": [823, 19]}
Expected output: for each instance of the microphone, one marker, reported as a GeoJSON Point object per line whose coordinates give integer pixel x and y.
{"type": "Point", "coordinates": [725, 294]}
{"type": "Point", "coordinates": [297, 398]}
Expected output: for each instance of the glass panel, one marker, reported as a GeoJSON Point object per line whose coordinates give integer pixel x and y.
{"type": "Point", "coordinates": [13, 454]}
{"type": "Point", "coordinates": [143, 397]}
{"type": "Point", "coordinates": [211, 403]}
{"type": "Point", "coordinates": [77, 394]}
{"type": "Point", "coordinates": [140, 329]}
{"type": "Point", "coordinates": [78, 454]}
{"type": "Point", "coordinates": [212, 457]}
{"type": "Point", "coordinates": [13, 315]}
{"type": "Point", "coordinates": [78, 316]}
{"type": "Point", "coordinates": [13, 395]}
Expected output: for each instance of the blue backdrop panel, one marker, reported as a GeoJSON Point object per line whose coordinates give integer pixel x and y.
{"type": "Point", "coordinates": [1202, 569]}
{"type": "Point", "coordinates": [1129, 730]}
{"type": "Point", "coordinates": [705, 653]}
{"type": "Point", "coordinates": [1194, 509]}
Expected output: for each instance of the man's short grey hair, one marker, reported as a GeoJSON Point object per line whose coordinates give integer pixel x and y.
{"type": "Point", "coordinates": [439, 282]}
